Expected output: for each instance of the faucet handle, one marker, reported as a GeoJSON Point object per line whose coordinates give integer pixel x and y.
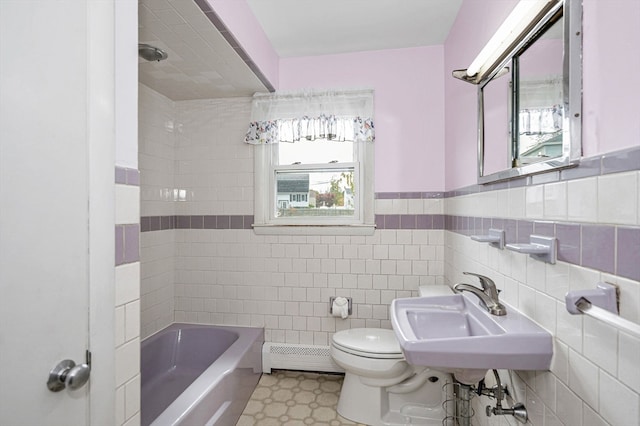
{"type": "Point", "coordinates": [487, 284]}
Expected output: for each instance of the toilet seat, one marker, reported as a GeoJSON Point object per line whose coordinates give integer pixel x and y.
{"type": "Point", "coordinates": [374, 343]}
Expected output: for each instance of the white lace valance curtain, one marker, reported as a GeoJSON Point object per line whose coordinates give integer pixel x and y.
{"type": "Point", "coordinates": [540, 120]}
{"type": "Point", "coordinates": [537, 116]}
{"type": "Point", "coordinates": [339, 116]}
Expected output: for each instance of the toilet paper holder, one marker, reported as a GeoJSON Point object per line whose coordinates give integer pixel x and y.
{"type": "Point", "coordinates": [349, 307]}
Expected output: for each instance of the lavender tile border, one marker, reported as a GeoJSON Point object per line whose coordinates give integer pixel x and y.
{"type": "Point", "coordinates": [127, 237]}
{"type": "Point", "coordinates": [628, 250]}
{"type": "Point", "coordinates": [161, 223]}
{"type": "Point", "coordinates": [408, 195]}
{"type": "Point", "coordinates": [598, 247]}
{"type": "Point", "coordinates": [607, 248]}
{"type": "Point", "coordinates": [388, 221]}
{"type": "Point", "coordinates": [127, 176]}
{"type": "Point", "coordinates": [127, 243]}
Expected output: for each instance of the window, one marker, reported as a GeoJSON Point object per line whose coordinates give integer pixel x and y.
{"type": "Point", "coordinates": [317, 181]}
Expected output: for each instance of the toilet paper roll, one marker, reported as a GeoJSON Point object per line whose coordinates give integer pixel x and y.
{"type": "Point", "coordinates": [340, 307]}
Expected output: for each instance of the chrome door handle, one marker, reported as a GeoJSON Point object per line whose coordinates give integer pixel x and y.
{"type": "Point", "coordinates": [68, 374]}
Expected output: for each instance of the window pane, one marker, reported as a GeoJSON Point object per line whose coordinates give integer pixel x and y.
{"type": "Point", "coordinates": [306, 193]}
{"type": "Point", "coordinates": [319, 151]}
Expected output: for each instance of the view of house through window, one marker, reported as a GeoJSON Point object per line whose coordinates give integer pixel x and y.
{"type": "Point", "coordinates": [315, 178]}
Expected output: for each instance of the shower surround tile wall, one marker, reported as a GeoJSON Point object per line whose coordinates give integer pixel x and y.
{"type": "Point", "coordinates": [156, 161]}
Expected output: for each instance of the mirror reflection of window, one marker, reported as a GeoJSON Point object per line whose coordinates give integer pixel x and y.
{"type": "Point", "coordinates": [540, 97]}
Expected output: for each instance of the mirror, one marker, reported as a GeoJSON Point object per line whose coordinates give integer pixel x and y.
{"type": "Point", "coordinates": [529, 107]}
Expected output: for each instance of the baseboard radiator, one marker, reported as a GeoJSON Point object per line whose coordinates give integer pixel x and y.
{"type": "Point", "coordinates": [287, 356]}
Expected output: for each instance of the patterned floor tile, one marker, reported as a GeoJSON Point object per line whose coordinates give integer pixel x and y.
{"type": "Point", "coordinates": [293, 398]}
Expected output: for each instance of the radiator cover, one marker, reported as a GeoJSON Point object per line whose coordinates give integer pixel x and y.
{"type": "Point", "coordinates": [288, 356]}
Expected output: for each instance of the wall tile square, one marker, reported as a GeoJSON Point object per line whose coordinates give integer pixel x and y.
{"type": "Point", "coordinates": [127, 362]}
{"type": "Point", "coordinates": [628, 250]}
{"type": "Point", "coordinates": [127, 204]}
{"type": "Point", "coordinates": [132, 397]}
{"type": "Point", "coordinates": [569, 405]}
{"type": "Point", "coordinates": [618, 198]}
{"type": "Point", "coordinates": [598, 247]}
{"type": "Point", "coordinates": [601, 344]}
{"type": "Point", "coordinates": [618, 404]}
{"type": "Point", "coordinates": [534, 207]}
{"type": "Point", "coordinates": [555, 201]}
{"type": "Point", "coordinates": [127, 283]}
{"type": "Point", "coordinates": [583, 379]}
{"type": "Point", "coordinates": [569, 242]}
{"type": "Point", "coordinates": [582, 198]}
{"type": "Point", "coordinates": [628, 371]}
{"type": "Point", "coordinates": [591, 418]}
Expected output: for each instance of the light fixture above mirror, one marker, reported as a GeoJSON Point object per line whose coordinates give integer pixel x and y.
{"type": "Point", "coordinates": [521, 21]}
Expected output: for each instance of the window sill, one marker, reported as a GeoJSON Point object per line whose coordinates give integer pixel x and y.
{"type": "Point", "coordinates": [364, 230]}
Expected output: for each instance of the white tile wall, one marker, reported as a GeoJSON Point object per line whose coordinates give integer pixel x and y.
{"type": "Point", "coordinates": [284, 283]}
{"type": "Point", "coordinates": [214, 167]}
{"type": "Point", "coordinates": [594, 374]}
{"type": "Point", "coordinates": [156, 281]}
{"type": "Point", "coordinates": [157, 141]}
{"type": "Point", "coordinates": [156, 157]}
{"type": "Point", "coordinates": [127, 317]}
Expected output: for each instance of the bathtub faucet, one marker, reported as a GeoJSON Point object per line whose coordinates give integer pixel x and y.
{"type": "Point", "coordinates": [488, 295]}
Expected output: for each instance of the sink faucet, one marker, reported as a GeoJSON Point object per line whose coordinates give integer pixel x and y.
{"type": "Point", "coordinates": [488, 295]}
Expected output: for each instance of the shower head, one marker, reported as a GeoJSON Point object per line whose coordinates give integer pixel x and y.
{"type": "Point", "coordinates": [151, 53]}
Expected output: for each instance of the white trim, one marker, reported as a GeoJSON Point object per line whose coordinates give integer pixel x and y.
{"type": "Point", "coordinates": [101, 144]}
{"type": "Point", "coordinates": [338, 230]}
{"type": "Point", "coordinates": [265, 159]}
{"type": "Point", "coordinates": [314, 220]}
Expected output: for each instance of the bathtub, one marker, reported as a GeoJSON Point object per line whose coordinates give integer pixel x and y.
{"type": "Point", "coordinates": [199, 374]}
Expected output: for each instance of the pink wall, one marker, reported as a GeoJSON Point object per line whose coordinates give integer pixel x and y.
{"type": "Point", "coordinates": [238, 17]}
{"type": "Point", "coordinates": [610, 93]}
{"type": "Point", "coordinates": [611, 106]}
{"type": "Point", "coordinates": [409, 118]}
{"type": "Point", "coordinates": [475, 24]}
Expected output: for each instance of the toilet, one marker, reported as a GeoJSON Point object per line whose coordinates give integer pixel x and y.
{"type": "Point", "coordinates": [380, 388]}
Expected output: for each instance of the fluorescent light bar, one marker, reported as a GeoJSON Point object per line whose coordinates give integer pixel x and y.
{"type": "Point", "coordinates": [525, 12]}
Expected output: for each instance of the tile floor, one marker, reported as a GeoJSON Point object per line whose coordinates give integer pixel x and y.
{"type": "Point", "coordinates": [293, 398]}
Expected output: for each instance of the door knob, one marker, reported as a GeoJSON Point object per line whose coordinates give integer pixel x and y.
{"type": "Point", "coordinates": [68, 374]}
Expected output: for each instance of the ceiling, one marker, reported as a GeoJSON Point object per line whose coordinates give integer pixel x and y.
{"type": "Point", "coordinates": [321, 27]}
{"type": "Point", "coordinates": [202, 64]}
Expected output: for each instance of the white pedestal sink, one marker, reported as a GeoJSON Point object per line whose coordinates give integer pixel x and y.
{"type": "Point", "coordinates": [455, 334]}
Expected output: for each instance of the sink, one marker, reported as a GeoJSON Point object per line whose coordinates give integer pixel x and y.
{"type": "Point", "coordinates": [455, 334]}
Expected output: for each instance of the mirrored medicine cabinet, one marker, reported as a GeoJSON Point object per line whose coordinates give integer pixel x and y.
{"type": "Point", "coordinates": [530, 97]}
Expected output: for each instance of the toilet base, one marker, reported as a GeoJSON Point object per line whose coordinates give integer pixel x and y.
{"type": "Point", "coordinates": [375, 406]}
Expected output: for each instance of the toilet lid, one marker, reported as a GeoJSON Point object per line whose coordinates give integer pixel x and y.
{"type": "Point", "coordinates": [373, 342]}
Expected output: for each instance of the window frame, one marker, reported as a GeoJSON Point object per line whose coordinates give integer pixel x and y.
{"type": "Point", "coordinates": [265, 196]}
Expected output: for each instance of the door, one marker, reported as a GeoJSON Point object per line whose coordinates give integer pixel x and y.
{"type": "Point", "coordinates": [45, 129]}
